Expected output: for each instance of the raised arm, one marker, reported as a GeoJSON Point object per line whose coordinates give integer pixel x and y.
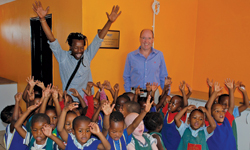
{"type": "Point", "coordinates": [212, 124]}
{"type": "Point", "coordinates": [167, 83]}
{"type": "Point", "coordinates": [15, 114]}
{"type": "Point", "coordinates": [111, 18]}
{"type": "Point", "coordinates": [189, 90]}
{"type": "Point", "coordinates": [210, 101]}
{"type": "Point", "coordinates": [37, 7]}
{"type": "Point", "coordinates": [230, 85]}
{"type": "Point", "coordinates": [137, 93]}
{"type": "Point", "coordinates": [60, 125]}
{"type": "Point", "coordinates": [139, 118]}
{"type": "Point", "coordinates": [177, 118]}
{"type": "Point", "coordinates": [20, 121]}
{"type": "Point", "coordinates": [55, 94]}
{"type": "Point", "coordinates": [47, 131]}
{"type": "Point", "coordinates": [210, 85]}
{"type": "Point", "coordinates": [245, 104]}
{"type": "Point", "coordinates": [108, 87]}
{"type": "Point", "coordinates": [45, 97]}
{"type": "Point", "coordinates": [154, 88]}
{"type": "Point", "coordinates": [78, 96]}
{"type": "Point", "coordinates": [116, 89]}
{"type": "Point", "coordinates": [182, 88]}
{"type": "Point", "coordinates": [107, 110]}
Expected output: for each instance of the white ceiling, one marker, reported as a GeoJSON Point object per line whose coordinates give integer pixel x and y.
{"type": "Point", "coordinates": [5, 1]}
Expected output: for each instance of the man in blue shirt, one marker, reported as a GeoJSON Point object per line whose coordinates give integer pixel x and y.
{"type": "Point", "coordinates": [145, 64]}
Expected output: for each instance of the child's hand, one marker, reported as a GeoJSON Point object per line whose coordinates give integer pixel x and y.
{"type": "Point", "coordinates": [209, 83]}
{"type": "Point", "coordinates": [47, 92]}
{"type": "Point", "coordinates": [94, 128]}
{"type": "Point", "coordinates": [47, 130]}
{"type": "Point", "coordinates": [33, 107]}
{"type": "Point", "coordinates": [41, 85]}
{"type": "Point", "coordinates": [242, 87]}
{"type": "Point", "coordinates": [71, 106]}
{"type": "Point", "coordinates": [217, 87]}
{"type": "Point", "coordinates": [168, 81]}
{"type": "Point", "coordinates": [18, 97]}
{"type": "Point", "coordinates": [54, 92]}
{"type": "Point", "coordinates": [74, 92]}
{"type": "Point", "coordinates": [31, 81]}
{"type": "Point", "coordinates": [148, 87]}
{"type": "Point", "coordinates": [236, 85]}
{"type": "Point", "coordinates": [154, 86]}
{"type": "Point", "coordinates": [138, 91]}
{"type": "Point", "coordinates": [31, 95]}
{"type": "Point", "coordinates": [182, 86]}
{"type": "Point", "coordinates": [148, 104]}
{"type": "Point", "coordinates": [191, 107]}
{"type": "Point", "coordinates": [203, 109]}
{"type": "Point", "coordinates": [107, 85]}
{"type": "Point", "coordinates": [99, 85]}
{"type": "Point", "coordinates": [229, 83]}
{"type": "Point", "coordinates": [60, 93]}
{"type": "Point", "coordinates": [87, 91]}
{"type": "Point", "coordinates": [107, 110]}
{"type": "Point", "coordinates": [189, 88]}
{"type": "Point", "coordinates": [116, 87]}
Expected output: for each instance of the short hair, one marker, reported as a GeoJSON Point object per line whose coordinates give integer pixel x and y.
{"type": "Point", "coordinates": [80, 118]}
{"type": "Point", "coordinates": [147, 29]}
{"type": "Point", "coordinates": [118, 99]}
{"type": "Point", "coordinates": [132, 107]}
{"type": "Point", "coordinates": [116, 116]}
{"type": "Point", "coordinates": [40, 117]}
{"type": "Point", "coordinates": [49, 107]}
{"type": "Point", "coordinates": [144, 99]}
{"type": "Point", "coordinates": [182, 102]}
{"type": "Point", "coordinates": [196, 110]}
{"type": "Point", "coordinates": [71, 112]}
{"type": "Point", "coordinates": [221, 97]}
{"type": "Point", "coordinates": [6, 113]}
{"type": "Point", "coordinates": [76, 36]}
{"type": "Point", "coordinates": [153, 120]}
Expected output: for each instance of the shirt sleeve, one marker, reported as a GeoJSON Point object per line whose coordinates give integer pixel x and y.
{"type": "Point", "coordinates": [207, 134]}
{"type": "Point", "coordinates": [126, 75]}
{"type": "Point", "coordinates": [103, 95]}
{"type": "Point", "coordinates": [59, 53]}
{"type": "Point", "coordinates": [90, 110]}
{"type": "Point", "coordinates": [93, 47]}
{"type": "Point", "coordinates": [236, 112]}
{"type": "Point", "coordinates": [27, 139]}
{"type": "Point", "coordinates": [151, 138]}
{"type": "Point", "coordinates": [127, 137]}
{"type": "Point", "coordinates": [182, 128]}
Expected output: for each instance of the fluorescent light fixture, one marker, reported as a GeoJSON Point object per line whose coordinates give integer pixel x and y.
{"type": "Point", "coordinates": [5, 1]}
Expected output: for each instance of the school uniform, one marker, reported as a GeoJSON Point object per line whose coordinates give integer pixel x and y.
{"type": "Point", "coordinates": [100, 120]}
{"type": "Point", "coordinates": [159, 134]}
{"type": "Point", "coordinates": [73, 144]}
{"type": "Point", "coordinates": [13, 141]}
{"type": "Point", "coordinates": [122, 143]}
{"type": "Point", "coordinates": [149, 140]}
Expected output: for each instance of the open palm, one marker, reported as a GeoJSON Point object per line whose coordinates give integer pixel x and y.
{"type": "Point", "coordinates": [37, 7]}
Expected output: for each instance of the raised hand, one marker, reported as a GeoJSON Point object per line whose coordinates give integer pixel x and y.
{"type": "Point", "coordinates": [191, 107]}
{"type": "Point", "coordinates": [47, 130]}
{"type": "Point", "coordinates": [148, 87]}
{"type": "Point", "coordinates": [229, 83]}
{"type": "Point", "coordinates": [242, 87]}
{"type": "Point", "coordinates": [114, 13]}
{"type": "Point", "coordinates": [138, 91]}
{"type": "Point", "coordinates": [71, 106]}
{"type": "Point", "coordinates": [107, 109]}
{"type": "Point", "coordinates": [116, 87]}
{"type": "Point", "coordinates": [74, 92]}
{"type": "Point", "coordinates": [18, 97]}
{"type": "Point", "coordinates": [47, 92]}
{"type": "Point", "coordinates": [236, 85]}
{"type": "Point", "coordinates": [33, 107]}
{"type": "Point", "coordinates": [40, 84]}
{"type": "Point", "coordinates": [217, 87]}
{"type": "Point", "coordinates": [107, 85]}
{"type": "Point", "coordinates": [37, 7]}
{"type": "Point", "coordinates": [148, 104]}
{"type": "Point", "coordinates": [54, 91]}
{"type": "Point", "coordinates": [154, 86]}
{"type": "Point", "coordinates": [31, 95]}
{"type": "Point", "coordinates": [203, 109]}
{"type": "Point", "coordinates": [168, 81]}
{"type": "Point", "coordinates": [209, 83]}
{"type": "Point", "coordinates": [99, 85]}
{"type": "Point", "coordinates": [94, 128]}
{"type": "Point", "coordinates": [189, 87]}
{"type": "Point", "coordinates": [31, 81]}
{"type": "Point", "coordinates": [182, 85]}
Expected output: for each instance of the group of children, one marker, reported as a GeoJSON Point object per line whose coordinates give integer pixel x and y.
{"type": "Point", "coordinates": [54, 121]}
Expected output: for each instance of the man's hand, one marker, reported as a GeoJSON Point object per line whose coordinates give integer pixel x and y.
{"type": "Point", "coordinates": [114, 13]}
{"type": "Point", "coordinates": [37, 7]}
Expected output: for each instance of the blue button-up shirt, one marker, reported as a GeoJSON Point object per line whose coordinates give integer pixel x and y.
{"type": "Point", "coordinates": [67, 64]}
{"type": "Point", "coordinates": [140, 70]}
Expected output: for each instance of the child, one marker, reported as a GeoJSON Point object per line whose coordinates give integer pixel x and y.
{"type": "Point", "coordinates": [129, 107]}
{"type": "Point", "coordinates": [170, 136]}
{"type": "Point", "coordinates": [120, 101]}
{"type": "Point", "coordinates": [139, 139]}
{"type": "Point", "coordinates": [39, 138]}
{"type": "Point", "coordinates": [223, 137]}
{"type": "Point", "coordinates": [154, 122]}
{"type": "Point", "coordinates": [80, 138]}
{"type": "Point", "coordinates": [10, 114]}
{"type": "Point", "coordinates": [194, 135]}
{"type": "Point", "coordinates": [113, 127]}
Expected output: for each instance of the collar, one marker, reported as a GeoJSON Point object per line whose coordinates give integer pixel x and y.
{"type": "Point", "coordinates": [195, 132]}
{"type": "Point", "coordinates": [39, 147]}
{"type": "Point", "coordinates": [138, 51]}
{"type": "Point", "coordinates": [78, 145]}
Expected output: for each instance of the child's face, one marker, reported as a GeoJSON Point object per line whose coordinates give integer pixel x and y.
{"type": "Point", "coordinates": [53, 118]}
{"type": "Point", "coordinates": [120, 103]}
{"type": "Point", "coordinates": [196, 120]}
{"type": "Point", "coordinates": [96, 103]}
{"type": "Point", "coordinates": [174, 104]}
{"type": "Point", "coordinates": [116, 130]}
{"type": "Point", "coordinates": [82, 131]}
{"type": "Point", "coordinates": [225, 102]}
{"type": "Point", "coordinates": [139, 129]}
{"type": "Point", "coordinates": [37, 132]}
{"type": "Point", "coordinates": [68, 126]}
{"type": "Point", "coordinates": [124, 110]}
{"type": "Point", "coordinates": [218, 113]}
